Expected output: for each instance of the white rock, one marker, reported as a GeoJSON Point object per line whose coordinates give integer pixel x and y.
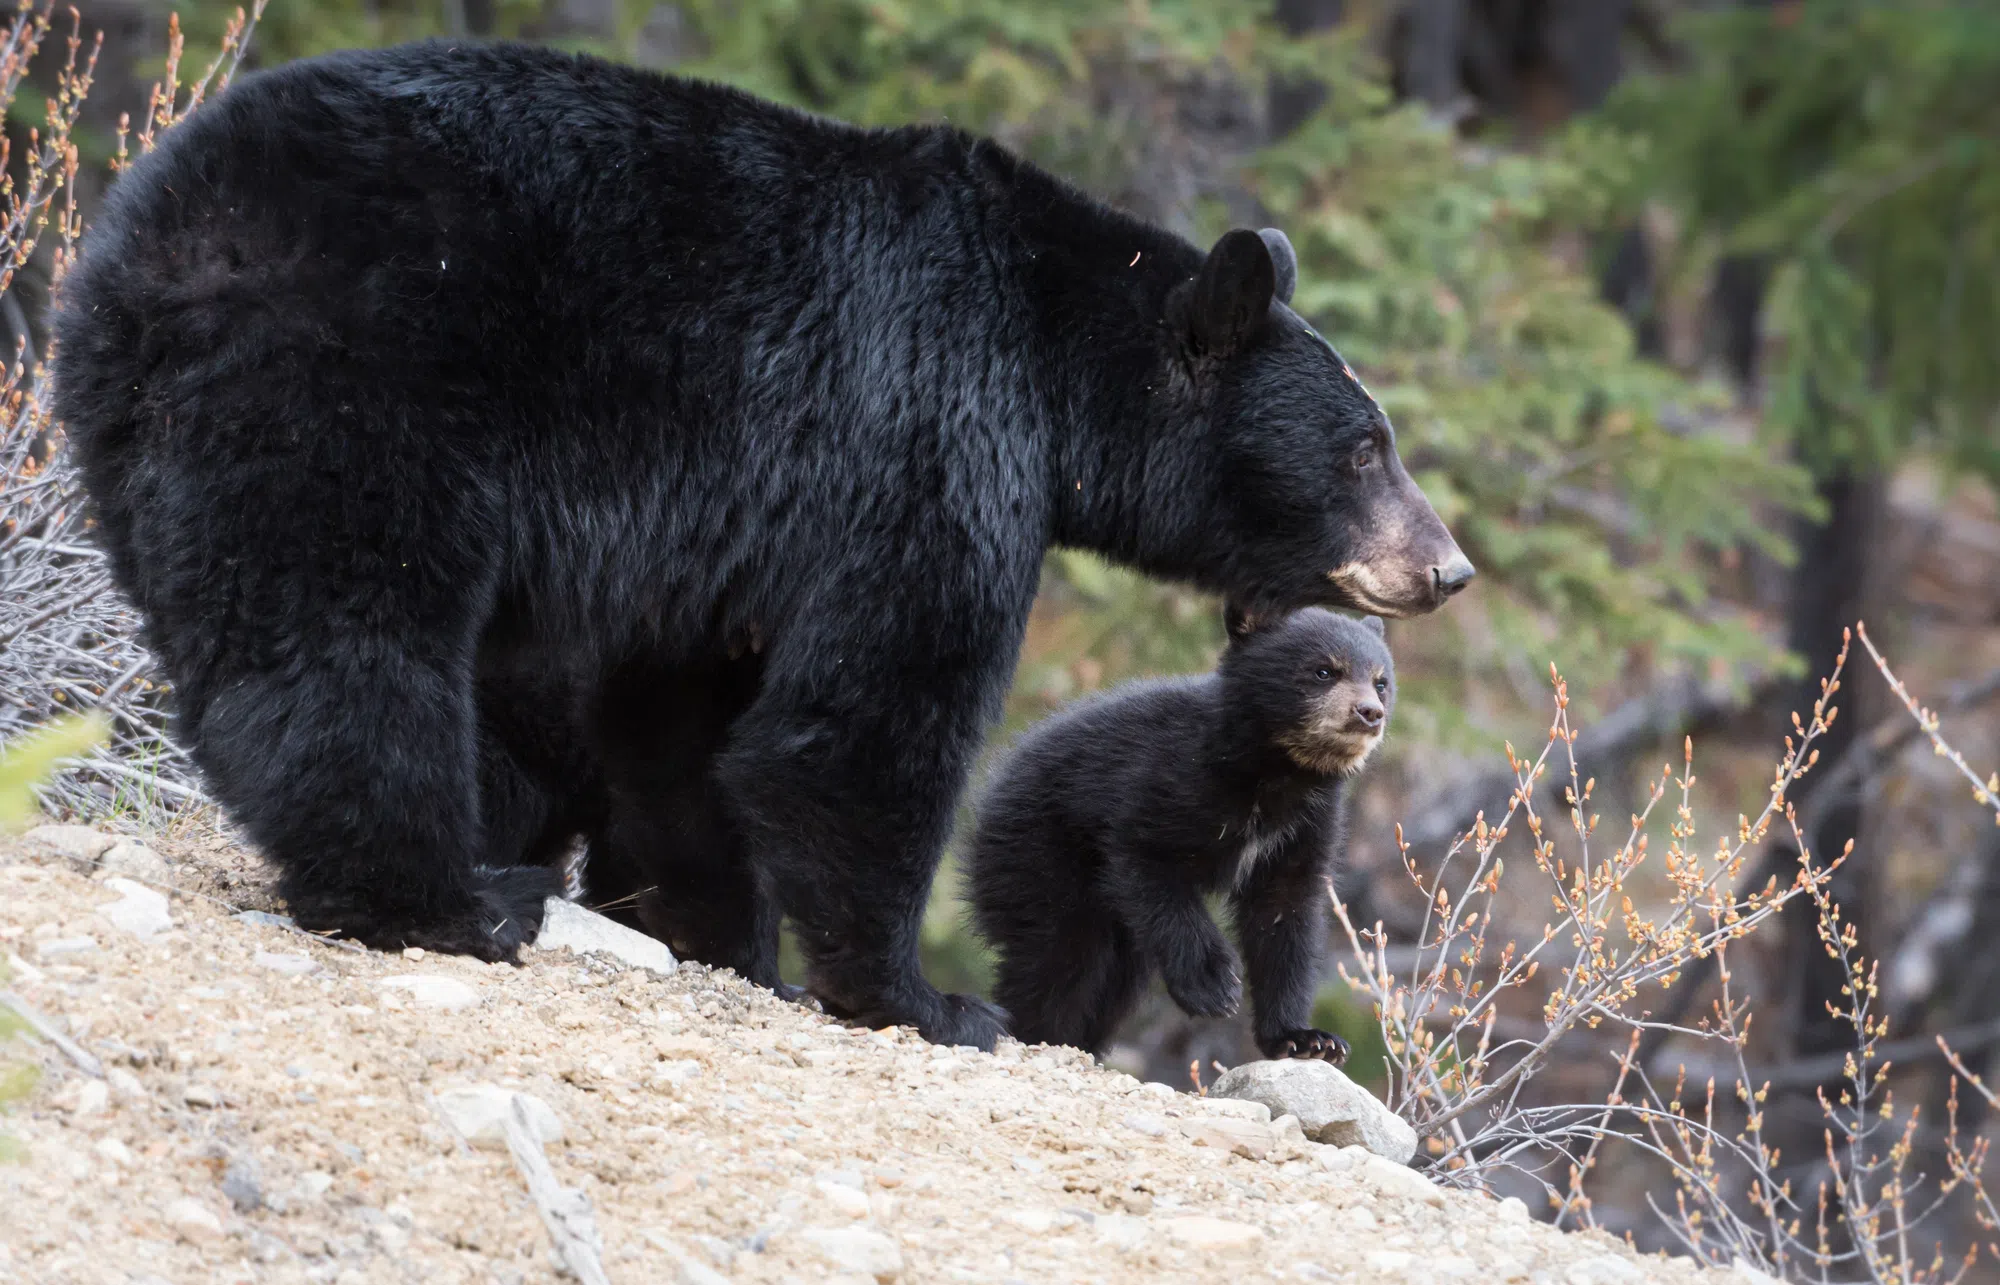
{"type": "Point", "coordinates": [479, 1112]}
{"type": "Point", "coordinates": [83, 1098]}
{"type": "Point", "coordinates": [131, 857]}
{"type": "Point", "coordinates": [1199, 1231]}
{"type": "Point", "coordinates": [21, 969]}
{"type": "Point", "coordinates": [432, 990]}
{"type": "Point", "coordinates": [192, 1220]}
{"type": "Point", "coordinates": [139, 910]}
{"type": "Point", "coordinates": [568, 926]}
{"type": "Point", "coordinates": [79, 843]}
{"type": "Point", "coordinates": [1331, 1108]}
{"type": "Point", "coordinates": [114, 1151]}
{"type": "Point", "coordinates": [1247, 1138]}
{"type": "Point", "coordinates": [201, 1095]}
{"type": "Point", "coordinates": [857, 1249]}
{"type": "Point", "coordinates": [289, 965]}
{"type": "Point", "coordinates": [1122, 1232]}
{"type": "Point", "coordinates": [1514, 1210]}
{"type": "Point", "coordinates": [312, 1184]}
{"type": "Point", "coordinates": [1388, 1262]}
{"type": "Point", "coordinates": [1604, 1269]}
{"type": "Point", "coordinates": [1288, 1139]}
{"type": "Point", "coordinates": [126, 1085]}
{"type": "Point", "coordinates": [1399, 1181]}
{"type": "Point", "coordinates": [1150, 1125]}
{"type": "Point", "coordinates": [848, 1202]}
{"type": "Point", "coordinates": [1235, 1108]}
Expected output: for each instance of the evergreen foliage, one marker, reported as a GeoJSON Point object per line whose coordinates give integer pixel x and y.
{"type": "Point", "coordinates": [1855, 148]}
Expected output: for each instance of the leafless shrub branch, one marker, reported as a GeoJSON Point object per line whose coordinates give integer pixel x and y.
{"type": "Point", "coordinates": [68, 641]}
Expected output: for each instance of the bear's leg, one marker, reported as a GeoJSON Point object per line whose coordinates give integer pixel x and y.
{"type": "Point", "coordinates": [1281, 924]}
{"type": "Point", "coordinates": [1178, 937]}
{"type": "Point", "coordinates": [1072, 985]}
{"type": "Point", "coordinates": [684, 875]}
{"type": "Point", "coordinates": [355, 771]}
{"type": "Point", "coordinates": [668, 848]}
{"type": "Point", "coordinates": [842, 779]}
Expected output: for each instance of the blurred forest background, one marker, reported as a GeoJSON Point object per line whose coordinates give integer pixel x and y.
{"type": "Point", "coordinates": [1687, 315]}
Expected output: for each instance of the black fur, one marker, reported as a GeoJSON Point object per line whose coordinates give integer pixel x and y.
{"type": "Point", "coordinates": [1112, 821]}
{"type": "Point", "coordinates": [415, 388]}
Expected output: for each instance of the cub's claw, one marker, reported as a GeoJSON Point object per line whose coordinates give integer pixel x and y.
{"type": "Point", "coordinates": [1309, 1044]}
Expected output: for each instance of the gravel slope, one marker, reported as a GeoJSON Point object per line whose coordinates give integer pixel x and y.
{"type": "Point", "coordinates": [271, 1110]}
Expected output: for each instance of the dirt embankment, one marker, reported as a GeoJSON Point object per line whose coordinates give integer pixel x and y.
{"type": "Point", "coordinates": [272, 1108]}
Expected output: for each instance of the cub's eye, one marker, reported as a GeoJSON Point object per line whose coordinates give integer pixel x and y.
{"type": "Point", "coordinates": [1362, 459]}
{"type": "Point", "coordinates": [1324, 674]}
{"type": "Point", "coordinates": [1381, 687]}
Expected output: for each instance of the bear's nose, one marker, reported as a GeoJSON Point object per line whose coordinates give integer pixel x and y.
{"type": "Point", "coordinates": [1452, 576]}
{"type": "Point", "coordinates": [1369, 714]}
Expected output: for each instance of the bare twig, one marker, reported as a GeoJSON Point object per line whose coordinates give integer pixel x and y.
{"type": "Point", "coordinates": [1987, 791]}
{"type": "Point", "coordinates": [565, 1210]}
{"type": "Point", "coordinates": [85, 1061]}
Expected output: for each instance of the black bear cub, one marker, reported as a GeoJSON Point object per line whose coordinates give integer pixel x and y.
{"type": "Point", "coordinates": [1109, 824]}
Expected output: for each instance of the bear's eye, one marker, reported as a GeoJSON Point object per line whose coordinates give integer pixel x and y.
{"type": "Point", "coordinates": [1362, 458]}
{"type": "Point", "coordinates": [1325, 674]}
{"type": "Point", "coordinates": [1381, 687]}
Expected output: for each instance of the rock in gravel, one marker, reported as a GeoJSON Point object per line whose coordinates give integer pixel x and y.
{"type": "Point", "coordinates": [201, 1095]}
{"type": "Point", "coordinates": [1247, 1138]}
{"type": "Point", "coordinates": [1150, 1125]}
{"type": "Point", "coordinates": [1399, 1181]}
{"type": "Point", "coordinates": [849, 1202]}
{"type": "Point", "coordinates": [1122, 1232]}
{"type": "Point", "coordinates": [1236, 1108]}
{"type": "Point", "coordinates": [131, 857]}
{"type": "Point", "coordinates": [568, 926]}
{"type": "Point", "coordinates": [81, 844]}
{"type": "Point", "coordinates": [240, 1184]}
{"type": "Point", "coordinates": [83, 1098]}
{"type": "Point", "coordinates": [279, 962]}
{"type": "Point", "coordinates": [432, 990]}
{"type": "Point", "coordinates": [479, 1111]}
{"type": "Point", "coordinates": [265, 919]}
{"type": "Point", "coordinates": [139, 910]}
{"type": "Point", "coordinates": [1199, 1231]}
{"type": "Point", "coordinates": [857, 1249]}
{"type": "Point", "coordinates": [192, 1221]}
{"type": "Point", "coordinates": [1331, 1108]}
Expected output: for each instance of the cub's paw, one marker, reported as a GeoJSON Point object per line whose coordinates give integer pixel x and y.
{"type": "Point", "coordinates": [1206, 986]}
{"type": "Point", "coordinates": [1306, 1044]}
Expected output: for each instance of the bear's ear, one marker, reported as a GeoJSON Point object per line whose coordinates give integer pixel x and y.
{"type": "Point", "coordinates": [1229, 300]}
{"type": "Point", "coordinates": [1374, 624]}
{"type": "Point", "coordinates": [1239, 620]}
{"type": "Point", "coordinates": [1284, 264]}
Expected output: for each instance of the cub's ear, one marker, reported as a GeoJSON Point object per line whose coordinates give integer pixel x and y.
{"type": "Point", "coordinates": [1229, 300]}
{"type": "Point", "coordinates": [1374, 624]}
{"type": "Point", "coordinates": [1239, 620]}
{"type": "Point", "coordinates": [1284, 264]}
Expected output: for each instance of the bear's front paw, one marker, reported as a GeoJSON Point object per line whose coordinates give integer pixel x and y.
{"type": "Point", "coordinates": [1306, 1043]}
{"type": "Point", "coordinates": [1207, 986]}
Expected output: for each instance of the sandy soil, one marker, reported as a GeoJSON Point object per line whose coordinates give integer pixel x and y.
{"type": "Point", "coordinates": [271, 1110]}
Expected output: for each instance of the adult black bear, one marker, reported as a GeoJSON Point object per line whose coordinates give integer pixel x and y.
{"type": "Point", "coordinates": [1109, 823]}
{"type": "Point", "coordinates": [395, 373]}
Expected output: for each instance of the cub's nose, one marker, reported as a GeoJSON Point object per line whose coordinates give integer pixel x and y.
{"type": "Point", "coordinates": [1452, 576]}
{"type": "Point", "coordinates": [1369, 714]}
